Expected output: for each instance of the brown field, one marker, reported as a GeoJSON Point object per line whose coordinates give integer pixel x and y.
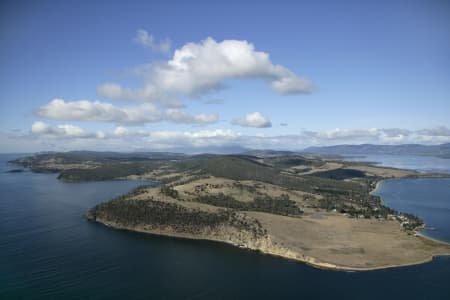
{"type": "Point", "coordinates": [350, 243]}
{"type": "Point", "coordinates": [383, 172]}
{"type": "Point", "coordinates": [324, 239]}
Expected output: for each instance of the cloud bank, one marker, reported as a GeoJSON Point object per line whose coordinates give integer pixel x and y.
{"type": "Point", "coordinates": [69, 137]}
{"type": "Point", "coordinates": [84, 110]}
{"type": "Point", "coordinates": [66, 131]}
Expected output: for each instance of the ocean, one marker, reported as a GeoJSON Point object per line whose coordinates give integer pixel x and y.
{"type": "Point", "coordinates": [48, 250]}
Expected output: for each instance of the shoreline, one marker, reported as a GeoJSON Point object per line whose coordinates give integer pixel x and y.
{"type": "Point", "coordinates": [416, 231]}
{"type": "Point", "coordinates": [285, 252]}
{"type": "Point", "coordinates": [295, 256]}
{"type": "Point", "coordinates": [424, 236]}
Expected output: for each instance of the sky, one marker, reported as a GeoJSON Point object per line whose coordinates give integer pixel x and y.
{"type": "Point", "coordinates": [171, 75]}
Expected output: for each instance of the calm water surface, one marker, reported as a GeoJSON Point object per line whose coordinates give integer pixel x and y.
{"type": "Point", "coordinates": [411, 162]}
{"type": "Point", "coordinates": [428, 198]}
{"type": "Point", "coordinates": [49, 251]}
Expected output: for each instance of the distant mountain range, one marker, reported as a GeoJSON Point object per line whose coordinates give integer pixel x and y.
{"type": "Point", "coordinates": [442, 150]}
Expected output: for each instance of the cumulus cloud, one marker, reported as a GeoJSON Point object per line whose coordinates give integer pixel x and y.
{"type": "Point", "coordinates": [202, 138]}
{"type": "Point", "coordinates": [41, 128]}
{"type": "Point", "coordinates": [148, 40]}
{"type": "Point", "coordinates": [255, 119]}
{"type": "Point", "coordinates": [180, 116]}
{"type": "Point", "coordinates": [198, 68]}
{"type": "Point", "coordinates": [120, 131]}
{"type": "Point", "coordinates": [146, 94]}
{"type": "Point", "coordinates": [289, 83]}
{"type": "Point", "coordinates": [60, 131]}
{"type": "Point", "coordinates": [84, 110]}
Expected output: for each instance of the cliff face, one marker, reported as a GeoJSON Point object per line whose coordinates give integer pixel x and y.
{"type": "Point", "coordinates": [175, 218]}
{"type": "Point", "coordinates": [226, 233]}
{"type": "Point", "coordinates": [172, 219]}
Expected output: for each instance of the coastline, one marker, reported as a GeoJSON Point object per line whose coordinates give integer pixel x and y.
{"type": "Point", "coordinates": [340, 243]}
{"type": "Point", "coordinates": [377, 186]}
{"type": "Point", "coordinates": [417, 231]}
{"type": "Point", "coordinates": [282, 252]}
{"type": "Point", "coordinates": [269, 245]}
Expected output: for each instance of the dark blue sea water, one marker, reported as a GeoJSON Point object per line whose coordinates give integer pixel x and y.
{"type": "Point", "coordinates": [49, 251]}
{"type": "Point", "coordinates": [427, 197]}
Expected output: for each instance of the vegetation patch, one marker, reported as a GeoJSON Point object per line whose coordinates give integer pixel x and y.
{"type": "Point", "coordinates": [156, 214]}
{"type": "Point", "coordinates": [340, 174]}
{"type": "Point", "coordinates": [281, 205]}
{"type": "Point", "coordinates": [108, 171]}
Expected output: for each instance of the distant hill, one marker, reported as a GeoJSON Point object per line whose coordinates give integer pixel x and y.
{"type": "Point", "coordinates": [442, 150]}
{"type": "Point", "coordinates": [269, 153]}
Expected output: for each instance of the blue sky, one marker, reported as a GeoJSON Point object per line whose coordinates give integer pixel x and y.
{"type": "Point", "coordinates": [347, 72]}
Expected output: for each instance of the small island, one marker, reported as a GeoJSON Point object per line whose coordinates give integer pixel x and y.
{"type": "Point", "coordinates": [298, 206]}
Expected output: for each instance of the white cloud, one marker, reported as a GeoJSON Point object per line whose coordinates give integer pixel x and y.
{"type": "Point", "coordinates": [336, 134]}
{"type": "Point", "coordinates": [148, 40]}
{"type": "Point", "coordinates": [180, 116]}
{"type": "Point", "coordinates": [100, 135]}
{"type": "Point", "coordinates": [146, 94]}
{"type": "Point", "coordinates": [198, 68]}
{"type": "Point", "coordinates": [396, 132]}
{"type": "Point", "coordinates": [121, 131]}
{"type": "Point", "coordinates": [69, 137]}
{"type": "Point", "coordinates": [84, 110]}
{"type": "Point", "coordinates": [60, 131]}
{"type": "Point", "coordinates": [202, 138]}
{"type": "Point", "coordinates": [255, 119]}
{"type": "Point", "coordinates": [111, 90]}
{"type": "Point", "coordinates": [289, 83]}
{"type": "Point", "coordinates": [436, 131]}
{"type": "Point", "coordinates": [40, 128]}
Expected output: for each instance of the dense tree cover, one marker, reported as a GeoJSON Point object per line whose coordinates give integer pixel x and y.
{"type": "Point", "coordinates": [109, 171]}
{"type": "Point", "coordinates": [279, 205]}
{"type": "Point", "coordinates": [367, 206]}
{"type": "Point", "coordinates": [239, 168]}
{"type": "Point", "coordinates": [168, 191]}
{"type": "Point", "coordinates": [367, 209]}
{"type": "Point", "coordinates": [340, 174]}
{"type": "Point", "coordinates": [157, 214]}
{"type": "Point", "coordinates": [77, 157]}
{"type": "Point", "coordinates": [236, 167]}
{"type": "Point", "coordinates": [293, 160]}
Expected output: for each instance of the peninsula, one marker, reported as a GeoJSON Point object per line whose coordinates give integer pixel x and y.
{"type": "Point", "coordinates": [297, 206]}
